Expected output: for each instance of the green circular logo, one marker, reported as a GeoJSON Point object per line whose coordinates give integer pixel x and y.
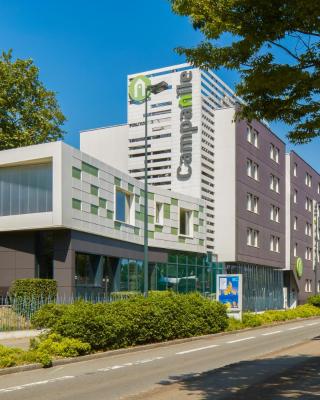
{"type": "Point", "coordinates": [138, 87]}
{"type": "Point", "coordinates": [299, 267]}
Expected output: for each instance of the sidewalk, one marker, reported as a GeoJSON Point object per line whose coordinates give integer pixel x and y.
{"type": "Point", "coordinates": [19, 339]}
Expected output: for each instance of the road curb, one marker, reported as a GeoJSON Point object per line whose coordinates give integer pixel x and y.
{"type": "Point", "coordinates": [136, 349]}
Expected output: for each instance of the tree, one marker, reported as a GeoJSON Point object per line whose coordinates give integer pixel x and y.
{"type": "Point", "coordinates": [275, 47]}
{"type": "Point", "coordinates": [29, 113]}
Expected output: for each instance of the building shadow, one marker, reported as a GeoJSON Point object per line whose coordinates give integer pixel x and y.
{"type": "Point", "coordinates": [294, 377]}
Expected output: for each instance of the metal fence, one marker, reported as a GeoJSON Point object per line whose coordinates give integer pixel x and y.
{"type": "Point", "coordinates": [16, 313]}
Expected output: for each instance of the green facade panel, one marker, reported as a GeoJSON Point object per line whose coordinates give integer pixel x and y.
{"type": "Point", "coordinates": [102, 202]}
{"type": "Point", "coordinates": [109, 214]}
{"type": "Point", "coordinates": [76, 173]}
{"type": "Point", "coordinates": [90, 169]}
{"type": "Point", "coordinates": [174, 202]}
{"type": "Point", "coordinates": [174, 231]}
{"type": "Point", "coordinates": [76, 204]}
{"type": "Point", "coordinates": [94, 190]}
{"type": "Point", "coordinates": [166, 211]}
{"type": "Point", "coordinates": [117, 225]}
{"type": "Point", "coordinates": [94, 209]}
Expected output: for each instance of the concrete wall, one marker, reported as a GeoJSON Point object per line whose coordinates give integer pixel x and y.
{"type": "Point", "coordinates": [225, 186]}
{"type": "Point", "coordinates": [17, 258]}
{"type": "Point", "coordinates": [110, 145]}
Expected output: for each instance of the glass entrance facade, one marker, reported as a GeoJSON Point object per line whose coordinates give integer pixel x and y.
{"type": "Point", "coordinates": [98, 275]}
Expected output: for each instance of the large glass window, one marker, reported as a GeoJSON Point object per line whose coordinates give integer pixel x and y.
{"type": "Point", "coordinates": [124, 207]}
{"type": "Point", "coordinates": [25, 189]}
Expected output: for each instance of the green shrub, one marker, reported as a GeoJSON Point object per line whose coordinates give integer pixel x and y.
{"type": "Point", "coordinates": [314, 300]}
{"type": "Point", "coordinates": [123, 295]}
{"type": "Point", "coordinates": [47, 315]}
{"type": "Point", "coordinates": [56, 345]}
{"type": "Point", "coordinates": [137, 320]}
{"type": "Point", "coordinates": [27, 295]}
{"type": "Point", "coordinates": [10, 357]}
{"type": "Point", "coordinates": [250, 320]}
{"type": "Point", "coordinates": [36, 289]}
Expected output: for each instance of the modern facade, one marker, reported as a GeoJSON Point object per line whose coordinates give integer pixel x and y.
{"type": "Point", "coordinates": [254, 209]}
{"type": "Point", "coordinates": [302, 275]}
{"type": "Point", "coordinates": [173, 135]}
{"type": "Point", "coordinates": [68, 216]}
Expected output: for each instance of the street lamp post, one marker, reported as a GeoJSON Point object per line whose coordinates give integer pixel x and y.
{"type": "Point", "coordinates": [154, 89]}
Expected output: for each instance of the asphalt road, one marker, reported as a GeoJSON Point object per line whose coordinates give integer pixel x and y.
{"type": "Point", "coordinates": [134, 375]}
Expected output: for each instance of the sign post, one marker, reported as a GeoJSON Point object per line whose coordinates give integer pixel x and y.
{"type": "Point", "coordinates": [229, 292]}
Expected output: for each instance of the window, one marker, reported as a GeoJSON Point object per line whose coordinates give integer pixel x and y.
{"type": "Point", "coordinates": [274, 153]}
{"type": "Point", "coordinates": [318, 287]}
{"type": "Point", "coordinates": [185, 222]}
{"type": "Point", "coordinates": [252, 169]}
{"type": "Point", "coordinates": [252, 136]}
{"type": "Point", "coordinates": [252, 203]}
{"type": "Point", "coordinates": [124, 207]}
{"type": "Point", "coordinates": [252, 237]}
{"type": "Point", "coordinates": [308, 204]}
{"type": "Point", "coordinates": [308, 254]}
{"type": "Point", "coordinates": [159, 213]}
{"type": "Point", "coordinates": [295, 196]}
{"type": "Point", "coordinates": [274, 243]}
{"type": "Point", "coordinates": [295, 169]}
{"type": "Point", "coordinates": [295, 223]}
{"type": "Point", "coordinates": [274, 213]}
{"type": "Point", "coordinates": [308, 180]}
{"type": "Point", "coordinates": [308, 229]}
{"type": "Point", "coordinates": [274, 183]}
{"type": "Point", "coordinates": [308, 286]}
{"type": "Point", "coordinates": [295, 250]}
{"type": "Point", "coordinates": [318, 189]}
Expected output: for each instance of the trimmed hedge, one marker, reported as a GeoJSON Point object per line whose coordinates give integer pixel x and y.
{"type": "Point", "coordinates": [251, 320]}
{"type": "Point", "coordinates": [35, 289]}
{"type": "Point", "coordinates": [138, 320]}
{"type": "Point", "coordinates": [314, 300]}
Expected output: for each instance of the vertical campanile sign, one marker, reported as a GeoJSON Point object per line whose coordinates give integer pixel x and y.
{"type": "Point", "coordinates": [184, 94]}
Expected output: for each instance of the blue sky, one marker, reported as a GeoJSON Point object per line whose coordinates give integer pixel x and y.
{"type": "Point", "coordinates": [86, 49]}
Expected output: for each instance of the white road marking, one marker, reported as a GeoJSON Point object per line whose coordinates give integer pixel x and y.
{"type": "Point", "coordinates": [295, 327]}
{"type": "Point", "coordinates": [241, 340]}
{"type": "Point", "coordinates": [197, 349]}
{"type": "Point", "coordinates": [130, 364]}
{"type": "Point", "coordinates": [26, 385]}
{"type": "Point", "coordinates": [270, 333]}
{"type": "Point", "coordinates": [313, 323]}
